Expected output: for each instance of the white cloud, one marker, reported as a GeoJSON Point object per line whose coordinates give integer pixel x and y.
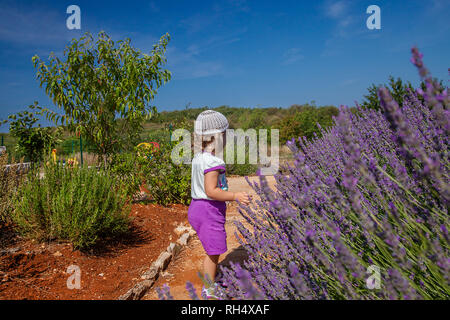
{"type": "Point", "coordinates": [204, 69]}
{"type": "Point", "coordinates": [198, 22]}
{"type": "Point", "coordinates": [195, 61]}
{"type": "Point", "coordinates": [340, 12]}
{"type": "Point", "coordinates": [335, 9]}
{"type": "Point", "coordinates": [292, 56]}
{"type": "Point", "coordinates": [240, 5]}
{"type": "Point", "coordinates": [185, 64]}
{"type": "Point", "coordinates": [439, 4]}
{"type": "Point", "coordinates": [153, 7]}
{"type": "Point", "coordinates": [348, 82]}
{"type": "Point", "coordinates": [344, 25]}
{"type": "Point", "coordinates": [14, 84]}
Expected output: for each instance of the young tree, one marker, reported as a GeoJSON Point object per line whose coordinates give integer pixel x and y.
{"type": "Point", "coordinates": [32, 140]}
{"type": "Point", "coordinates": [104, 89]}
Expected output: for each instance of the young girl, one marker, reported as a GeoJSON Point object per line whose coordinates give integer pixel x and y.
{"type": "Point", "coordinates": [207, 210]}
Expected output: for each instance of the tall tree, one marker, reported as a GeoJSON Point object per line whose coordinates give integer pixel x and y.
{"type": "Point", "coordinates": [104, 89]}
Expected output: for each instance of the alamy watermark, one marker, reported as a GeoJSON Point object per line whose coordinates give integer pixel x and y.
{"type": "Point", "coordinates": [74, 280]}
{"type": "Point", "coordinates": [74, 20]}
{"type": "Point", "coordinates": [234, 141]}
{"type": "Point", "coordinates": [374, 280]}
{"type": "Point", "coordinates": [374, 20]}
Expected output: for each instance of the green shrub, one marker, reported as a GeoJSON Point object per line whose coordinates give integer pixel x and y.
{"type": "Point", "coordinates": [160, 136]}
{"type": "Point", "coordinates": [167, 182]}
{"type": "Point", "coordinates": [125, 167]}
{"type": "Point", "coordinates": [65, 147]}
{"type": "Point", "coordinates": [304, 122]}
{"type": "Point", "coordinates": [397, 89]}
{"type": "Point", "coordinates": [245, 169]}
{"type": "Point", "coordinates": [81, 205]}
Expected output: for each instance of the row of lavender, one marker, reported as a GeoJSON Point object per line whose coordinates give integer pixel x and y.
{"type": "Point", "coordinates": [373, 191]}
{"type": "Point", "coordinates": [371, 194]}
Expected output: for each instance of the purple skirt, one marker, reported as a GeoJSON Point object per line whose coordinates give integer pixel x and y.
{"type": "Point", "coordinates": [207, 217]}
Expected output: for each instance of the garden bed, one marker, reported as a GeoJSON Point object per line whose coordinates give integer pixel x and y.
{"type": "Point", "coordinates": [31, 270]}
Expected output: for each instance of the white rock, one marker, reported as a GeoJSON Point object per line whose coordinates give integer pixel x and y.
{"type": "Point", "coordinates": [163, 260]}
{"type": "Point", "coordinates": [57, 254]}
{"type": "Point", "coordinates": [151, 274]}
{"type": "Point", "coordinates": [181, 229]}
{"type": "Point", "coordinates": [170, 247]}
{"type": "Point", "coordinates": [183, 240]}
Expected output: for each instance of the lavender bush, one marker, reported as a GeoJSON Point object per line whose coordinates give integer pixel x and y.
{"type": "Point", "coordinates": [373, 190]}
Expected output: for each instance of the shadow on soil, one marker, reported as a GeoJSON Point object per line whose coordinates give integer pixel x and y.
{"type": "Point", "coordinates": [106, 247]}
{"type": "Point", "coordinates": [8, 236]}
{"type": "Point", "coordinates": [109, 247]}
{"type": "Point", "coordinates": [238, 255]}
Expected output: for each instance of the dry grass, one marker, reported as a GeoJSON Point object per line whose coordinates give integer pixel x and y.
{"type": "Point", "coordinates": [89, 159]}
{"type": "Point", "coordinates": [10, 179]}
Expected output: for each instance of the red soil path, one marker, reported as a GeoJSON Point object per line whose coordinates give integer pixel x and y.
{"type": "Point", "coordinates": [190, 261]}
{"type": "Point", "coordinates": [30, 270]}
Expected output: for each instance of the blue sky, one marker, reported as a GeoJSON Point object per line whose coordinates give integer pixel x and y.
{"type": "Point", "coordinates": [236, 52]}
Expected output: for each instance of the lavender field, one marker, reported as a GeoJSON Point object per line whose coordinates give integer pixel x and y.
{"type": "Point", "coordinates": [372, 193]}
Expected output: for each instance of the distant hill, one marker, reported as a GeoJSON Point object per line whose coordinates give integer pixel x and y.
{"type": "Point", "coordinates": [295, 121]}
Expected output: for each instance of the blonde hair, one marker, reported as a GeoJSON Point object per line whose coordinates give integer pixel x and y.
{"type": "Point", "coordinates": [206, 140]}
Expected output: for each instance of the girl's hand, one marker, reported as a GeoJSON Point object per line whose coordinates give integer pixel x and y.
{"type": "Point", "coordinates": [242, 197]}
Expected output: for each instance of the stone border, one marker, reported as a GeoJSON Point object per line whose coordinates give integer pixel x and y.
{"type": "Point", "coordinates": [164, 259]}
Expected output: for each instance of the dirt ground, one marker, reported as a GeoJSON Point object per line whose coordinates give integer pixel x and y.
{"type": "Point", "coordinates": [30, 270]}
{"type": "Point", "coordinates": [190, 261]}
{"type": "Point", "coordinates": [36, 271]}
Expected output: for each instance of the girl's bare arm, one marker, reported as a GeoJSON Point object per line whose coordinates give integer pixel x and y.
{"type": "Point", "coordinates": [214, 192]}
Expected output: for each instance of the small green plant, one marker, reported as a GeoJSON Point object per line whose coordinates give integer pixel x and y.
{"type": "Point", "coordinates": [81, 205]}
{"type": "Point", "coordinates": [32, 141]}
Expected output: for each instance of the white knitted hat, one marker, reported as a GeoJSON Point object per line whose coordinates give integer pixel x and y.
{"type": "Point", "coordinates": [210, 122]}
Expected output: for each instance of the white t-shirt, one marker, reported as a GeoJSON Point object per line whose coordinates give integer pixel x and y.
{"type": "Point", "coordinates": [201, 164]}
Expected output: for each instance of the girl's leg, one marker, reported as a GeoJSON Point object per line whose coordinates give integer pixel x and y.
{"type": "Point", "coordinates": [210, 265]}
